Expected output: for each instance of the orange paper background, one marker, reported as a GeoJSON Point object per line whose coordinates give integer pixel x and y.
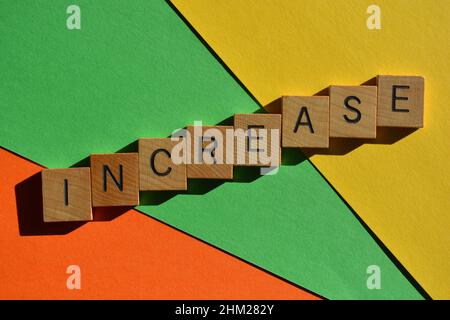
{"type": "Point", "coordinates": [131, 256]}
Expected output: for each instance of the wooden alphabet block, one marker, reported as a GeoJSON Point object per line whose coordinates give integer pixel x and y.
{"type": "Point", "coordinates": [257, 139]}
{"type": "Point", "coordinates": [305, 122]}
{"type": "Point", "coordinates": [208, 153]}
{"type": "Point", "coordinates": [157, 171]}
{"type": "Point", "coordinates": [400, 101]}
{"type": "Point", "coordinates": [353, 111]}
{"type": "Point", "coordinates": [66, 194]}
{"type": "Point", "coordinates": [115, 179]}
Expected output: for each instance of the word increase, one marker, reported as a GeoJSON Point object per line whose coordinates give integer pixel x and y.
{"type": "Point", "coordinates": [211, 152]}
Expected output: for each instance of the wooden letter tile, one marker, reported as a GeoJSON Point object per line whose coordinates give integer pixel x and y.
{"type": "Point", "coordinates": [66, 194]}
{"type": "Point", "coordinates": [353, 111]}
{"type": "Point", "coordinates": [115, 179]}
{"type": "Point", "coordinates": [156, 168]}
{"type": "Point", "coordinates": [305, 122]}
{"type": "Point", "coordinates": [256, 148]}
{"type": "Point", "coordinates": [208, 153]}
{"type": "Point", "coordinates": [400, 101]}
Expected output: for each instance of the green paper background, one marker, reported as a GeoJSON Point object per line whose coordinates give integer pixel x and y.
{"type": "Point", "coordinates": [135, 70]}
{"type": "Point", "coordinates": [293, 225]}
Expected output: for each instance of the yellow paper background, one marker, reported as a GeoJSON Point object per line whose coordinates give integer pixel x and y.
{"type": "Point", "coordinates": [398, 186]}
